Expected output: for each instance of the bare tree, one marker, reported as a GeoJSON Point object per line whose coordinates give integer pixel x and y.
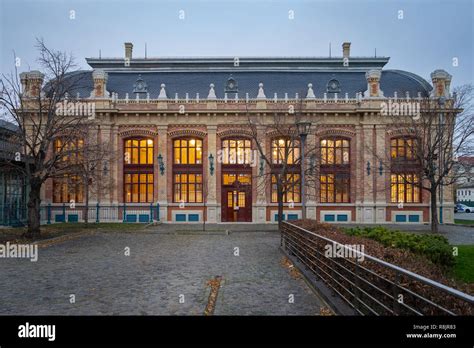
{"type": "Point", "coordinates": [438, 134]}
{"type": "Point", "coordinates": [92, 166]}
{"type": "Point", "coordinates": [284, 167]}
{"type": "Point", "coordinates": [32, 105]}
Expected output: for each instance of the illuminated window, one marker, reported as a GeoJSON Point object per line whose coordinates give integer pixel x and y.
{"type": "Point", "coordinates": [138, 170]}
{"type": "Point", "coordinates": [335, 151]}
{"type": "Point", "coordinates": [285, 151]}
{"type": "Point", "coordinates": [334, 188]}
{"type": "Point", "coordinates": [187, 170]}
{"type": "Point", "coordinates": [236, 151]}
{"type": "Point", "coordinates": [405, 185]}
{"type": "Point", "coordinates": [187, 188]}
{"type": "Point", "coordinates": [291, 188]}
{"type": "Point", "coordinates": [187, 151]}
{"type": "Point", "coordinates": [229, 179]}
{"type": "Point", "coordinates": [405, 188]}
{"type": "Point", "coordinates": [68, 189]}
{"type": "Point", "coordinates": [335, 170]}
{"type": "Point", "coordinates": [403, 148]}
{"type": "Point", "coordinates": [138, 188]}
{"type": "Point", "coordinates": [69, 150]}
{"type": "Point", "coordinates": [138, 151]}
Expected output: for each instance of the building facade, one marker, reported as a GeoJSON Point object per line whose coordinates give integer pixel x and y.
{"type": "Point", "coordinates": [181, 134]}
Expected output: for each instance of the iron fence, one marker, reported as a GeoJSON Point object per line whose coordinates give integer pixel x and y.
{"type": "Point", "coordinates": [369, 285]}
{"type": "Point", "coordinates": [131, 213]}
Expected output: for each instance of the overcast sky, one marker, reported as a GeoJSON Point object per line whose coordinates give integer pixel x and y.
{"type": "Point", "coordinates": [432, 34]}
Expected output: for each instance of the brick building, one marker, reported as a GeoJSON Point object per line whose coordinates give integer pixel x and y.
{"type": "Point", "coordinates": [170, 118]}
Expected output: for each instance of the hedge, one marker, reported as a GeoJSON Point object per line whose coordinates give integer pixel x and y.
{"type": "Point", "coordinates": [434, 247]}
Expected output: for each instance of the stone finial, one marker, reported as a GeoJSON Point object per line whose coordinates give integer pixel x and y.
{"type": "Point", "coordinates": [162, 94]}
{"type": "Point", "coordinates": [212, 92]}
{"type": "Point", "coordinates": [100, 78]}
{"type": "Point", "coordinates": [441, 82]}
{"type": "Point", "coordinates": [373, 83]}
{"type": "Point", "coordinates": [261, 92]}
{"type": "Point", "coordinates": [310, 94]}
{"type": "Point", "coordinates": [31, 82]}
{"type": "Point", "coordinates": [128, 50]}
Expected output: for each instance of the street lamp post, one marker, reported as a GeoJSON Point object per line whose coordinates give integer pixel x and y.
{"type": "Point", "coordinates": [303, 130]}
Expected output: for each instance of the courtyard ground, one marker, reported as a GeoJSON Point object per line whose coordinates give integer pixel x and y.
{"type": "Point", "coordinates": [165, 274]}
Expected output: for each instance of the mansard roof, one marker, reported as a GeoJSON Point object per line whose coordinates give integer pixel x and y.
{"type": "Point", "coordinates": [280, 75]}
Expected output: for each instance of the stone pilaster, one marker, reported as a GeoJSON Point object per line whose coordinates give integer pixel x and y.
{"type": "Point", "coordinates": [162, 182]}
{"type": "Point", "coordinates": [211, 188]}
{"type": "Point", "coordinates": [262, 181]}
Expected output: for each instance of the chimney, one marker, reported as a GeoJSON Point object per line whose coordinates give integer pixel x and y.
{"type": "Point", "coordinates": [441, 83]}
{"type": "Point", "coordinates": [31, 82]}
{"type": "Point", "coordinates": [128, 50]}
{"type": "Point", "coordinates": [346, 50]}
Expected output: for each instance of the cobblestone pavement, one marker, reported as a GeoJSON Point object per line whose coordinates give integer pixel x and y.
{"type": "Point", "coordinates": [160, 268]}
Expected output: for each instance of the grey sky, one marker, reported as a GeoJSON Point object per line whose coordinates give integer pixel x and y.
{"type": "Point", "coordinates": [430, 35]}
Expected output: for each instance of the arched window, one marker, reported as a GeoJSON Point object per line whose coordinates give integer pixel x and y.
{"type": "Point", "coordinates": [187, 170]}
{"type": "Point", "coordinates": [138, 170]}
{"type": "Point", "coordinates": [69, 187]}
{"type": "Point", "coordinates": [405, 185]}
{"type": "Point", "coordinates": [335, 170]}
{"type": "Point", "coordinates": [286, 151]}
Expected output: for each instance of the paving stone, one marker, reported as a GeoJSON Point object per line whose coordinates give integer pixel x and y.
{"type": "Point", "coordinates": [160, 268]}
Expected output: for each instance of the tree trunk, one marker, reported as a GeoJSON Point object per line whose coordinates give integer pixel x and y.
{"type": "Point", "coordinates": [86, 189]}
{"type": "Point", "coordinates": [280, 203]}
{"type": "Point", "coordinates": [434, 211]}
{"type": "Point", "coordinates": [34, 202]}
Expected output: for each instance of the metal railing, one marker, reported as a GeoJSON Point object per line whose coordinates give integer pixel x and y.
{"type": "Point", "coordinates": [131, 213]}
{"type": "Point", "coordinates": [369, 285]}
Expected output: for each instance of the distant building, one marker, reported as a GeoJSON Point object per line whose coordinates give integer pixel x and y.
{"type": "Point", "coordinates": [464, 170]}
{"type": "Point", "coordinates": [12, 182]}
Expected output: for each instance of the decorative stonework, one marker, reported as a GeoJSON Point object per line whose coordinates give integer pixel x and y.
{"type": "Point", "coordinates": [227, 132]}
{"type": "Point", "coordinates": [336, 131]}
{"type": "Point", "coordinates": [183, 132]}
{"type": "Point", "coordinates": [126, 131]}
{"type": "Point", "coordinates": [400, 131]}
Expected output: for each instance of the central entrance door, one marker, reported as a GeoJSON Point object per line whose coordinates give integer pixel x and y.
{"type": "Point", "coordinates": [237, 198]}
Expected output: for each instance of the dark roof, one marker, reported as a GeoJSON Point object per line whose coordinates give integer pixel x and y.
{"type": "Point", "coordinates": [8, 126]}
{"type": "Point", "coordinates": [278, 75]}
{"type": "Point", "coordinates": [273, 82]}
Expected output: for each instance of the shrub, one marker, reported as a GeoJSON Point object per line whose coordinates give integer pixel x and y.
{"type": "Point", "coordinates": [434, 247]}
